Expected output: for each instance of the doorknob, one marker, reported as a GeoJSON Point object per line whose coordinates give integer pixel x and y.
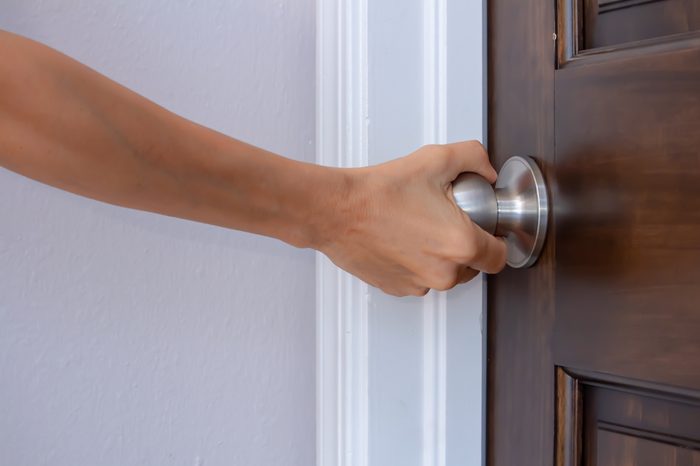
{"type": "Point", "coordinates": [516, 209]}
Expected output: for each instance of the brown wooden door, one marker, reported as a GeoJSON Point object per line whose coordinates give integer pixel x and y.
{"type": "Point", "coordinates": [594, 353]}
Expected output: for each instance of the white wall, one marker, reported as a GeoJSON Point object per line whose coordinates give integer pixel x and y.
{"type": "Point", "coordinates": [128, 338]}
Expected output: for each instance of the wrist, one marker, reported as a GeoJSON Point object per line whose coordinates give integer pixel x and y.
{"type": "Point", "coordinates": [333, 204]}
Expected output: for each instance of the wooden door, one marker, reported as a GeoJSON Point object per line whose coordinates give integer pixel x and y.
{"type": "Point", "coordinates": [594, 353]}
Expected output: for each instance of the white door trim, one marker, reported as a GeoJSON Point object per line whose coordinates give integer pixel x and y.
{"type": "Point", "coordinates": [341, 319]}
{"type": "Point", "coordinates": [435, 303]}
{"type": "Point", "coordinates": [449, 63]}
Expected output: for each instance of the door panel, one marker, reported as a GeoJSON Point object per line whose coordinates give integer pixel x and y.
{"type": "Point", "coordinates": [627, 210]}
{"type": "Point", "coordinates": [615, 22]}
{"type": "Point", "coordinates": [617, 449]}
{"type": "Point", "coordinates": [602, 337]}
{"type": "Point", "coordinates": [609, 420]}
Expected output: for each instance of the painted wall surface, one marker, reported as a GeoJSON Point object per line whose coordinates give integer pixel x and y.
{"type": "Point", "coordinates": [128, 338]}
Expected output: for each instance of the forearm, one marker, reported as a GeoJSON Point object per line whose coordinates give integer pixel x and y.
{"type": "Point", "coordinates": [394, 225]}
{"type": "Point", "coordinates": [66, 125]}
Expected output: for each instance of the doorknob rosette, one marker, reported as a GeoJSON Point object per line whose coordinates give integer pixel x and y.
{"type": "Point", "coordinates": [516, 209]}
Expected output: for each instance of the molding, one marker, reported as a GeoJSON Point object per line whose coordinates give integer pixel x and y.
{"type": "Point", "coordinates": [435, 71]}
{"type": "Point", "coordinates": [343, 357]}
{"type": "Point", "coordinates": [434, 403]}
{"type": "Point", "coordinates": [341, 300]}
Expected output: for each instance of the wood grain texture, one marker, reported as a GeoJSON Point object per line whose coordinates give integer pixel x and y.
{"type": "Point", "coordinates": [610, 420]}
{"type": "Point", "coordinates": [619, 449]}
{"type": "Point", "coordinates": [571, 29]}
{"type": "Point", "coordinates": [520, 373]}
{"type": "Point", "coordinates": [569, 420]}
{"type": "Point", "coordinates": [628, 217]}
{"type": "Point", "coordinates": [617, 290]}
{"type": "Point", "coordinates": [620, 22]}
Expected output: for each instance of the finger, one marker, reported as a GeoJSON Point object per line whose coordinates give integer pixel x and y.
{"type": "Point", "coordinates": [470, 156]}
{"type": "Point", "coordinates": [490, 252]}
{"type": "Point", "coordinates": [417, 291]}
{"type": "Point", "coordinates": [466, 274]}
{"type": "Point", "coordinates": [420, 291]}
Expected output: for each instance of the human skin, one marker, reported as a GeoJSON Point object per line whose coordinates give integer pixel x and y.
{"type": "Point", "coordinates": [395, 225]}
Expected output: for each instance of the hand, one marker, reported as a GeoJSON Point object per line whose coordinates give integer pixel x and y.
{"type": "Point", "coordinates": [400, 229]}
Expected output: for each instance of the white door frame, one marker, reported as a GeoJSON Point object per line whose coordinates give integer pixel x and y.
{"type": "Point", "coordinates": [393, 75]}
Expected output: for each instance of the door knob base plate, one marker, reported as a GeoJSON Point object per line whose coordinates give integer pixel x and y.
{"type": "Point", "coordinates": [523, 210]}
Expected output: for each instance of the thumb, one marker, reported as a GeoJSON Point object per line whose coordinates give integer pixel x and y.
{"type": "Point", "coordinates": [469, 156]}
{"type": "Point", "coordinates": [489, 251]}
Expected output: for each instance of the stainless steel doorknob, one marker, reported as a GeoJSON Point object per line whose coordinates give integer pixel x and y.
{"type": "Point", "coordinates": [517, 209]}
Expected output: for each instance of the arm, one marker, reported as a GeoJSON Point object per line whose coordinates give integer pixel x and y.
{"type": "Point", "coordinates": [63, 124]}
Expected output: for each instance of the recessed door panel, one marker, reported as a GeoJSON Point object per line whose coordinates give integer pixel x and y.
{"type": "Point", "coordinates": [607, 23]}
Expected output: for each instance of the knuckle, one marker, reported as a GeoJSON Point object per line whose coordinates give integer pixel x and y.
{"type": "Point", "coordinates": [479, 152]}
{"type": "Point", "coordinates": [467, 251]}
{"type": "Point", "coordinates": [476, 144]}
{"type": "Point", "coordinates": [418, 291]}
{"type": "Point", "coordinates": [468, 276]}
{"type": "Point", "coordinates": [444, 278]}
{"type": "Point", "coordinates": [433, 149]}
{"type": "Point", "coordinates": [462, 245]}
{"type": "Point", "coordinates": [393, 292]}
{"type": "Point", "coordinates": [405, 290]}
{"type": "Point", "coordinates": [443, 152]}
{"type": "Point", "coordinates": [447, 284]}
{"type": "Point", "coordinates": [433, 158]}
